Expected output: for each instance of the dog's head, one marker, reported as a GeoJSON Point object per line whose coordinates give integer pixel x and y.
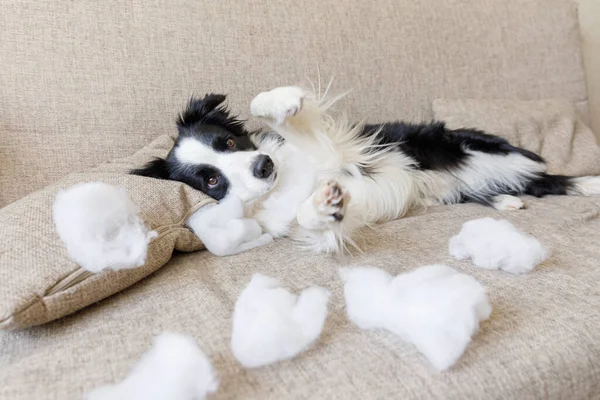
{"type": "Point", "coordinates": [214, 154]}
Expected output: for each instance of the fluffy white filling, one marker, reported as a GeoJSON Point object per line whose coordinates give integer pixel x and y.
{"type": "Point", "coordinates": [434, 307]}
{"type": "Point", "coordinates": [174, 368]}
{"type": "Point", "coordinates": [271, 324]}
{"type": "Point", "coordinates": [497, 244]}
{"type": "Point", "coordinates": [100, 227]}
{"type": "Point", "coordinates": [224, 230]}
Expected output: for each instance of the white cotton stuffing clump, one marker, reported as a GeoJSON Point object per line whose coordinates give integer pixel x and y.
{"type": "Point", "coordinates": [434, 307]}
{"type": "Point", "coordinates": [100, 227]}
{"type": "Point", "coordinates": [271, 324]}
{"type": "Point", "coordinates": [497, 244]}
{"type": "Point", "coordinates": [174, 368]}
{"type": "Point", "coordinates": [224, 230]}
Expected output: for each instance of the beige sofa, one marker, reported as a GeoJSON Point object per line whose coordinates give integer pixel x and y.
{"type": "Point", "coordinates": [86, 82]}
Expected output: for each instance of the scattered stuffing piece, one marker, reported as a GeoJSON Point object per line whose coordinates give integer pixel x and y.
{"type": "Point", "coordinates": [100, 227]}
{"type": "Point", "coordinates": [174, 368]}
{"type": "Point", "coordinates": [497, 244]}
{"type": "Point", "coordinates": [435, 308]}
{"type": "Point", "coordinates": [224, 230]}
{"type": "Point", "coordinates": [271, 324]}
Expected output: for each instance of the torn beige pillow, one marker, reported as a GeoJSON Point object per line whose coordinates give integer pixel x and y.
{"type": "Point", "coordinates": [550, 128]}
{"type": "Point", "coordinates": [39, 281]}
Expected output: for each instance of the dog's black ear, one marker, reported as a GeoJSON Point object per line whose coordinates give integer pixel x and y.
{"type": "Point", "coordinates": [156, 168]}
{"type": "Point", "coordinates": [209, 110]}
{"type": "Point", "coordinates": [200, 109]}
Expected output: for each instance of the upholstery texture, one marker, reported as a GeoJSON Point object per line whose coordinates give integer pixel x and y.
{"type": "Point", "coordinates": [86, 82]}
{"type": "Point", "coordinates": [590, 40]}
{"type": "Point", "coordinates": [40, 282]}
{"type": "Point", "coordinates": [549, 128]}
{"type": "Point", "coordinates": [541, 340]}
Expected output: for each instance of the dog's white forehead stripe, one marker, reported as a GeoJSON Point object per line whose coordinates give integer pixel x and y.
{"type": "Point", "coordinates": [192, 151]}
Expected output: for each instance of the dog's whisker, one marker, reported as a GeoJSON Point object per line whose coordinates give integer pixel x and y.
{"type": "Point", "coordinates": [311, 83]}
{"type": "Point", "coordinates": [328, 87]}
{"type": "Point", "coordinates": [319, 81]}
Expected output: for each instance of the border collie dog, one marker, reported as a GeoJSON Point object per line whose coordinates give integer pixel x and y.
{"type": "Point", "coordinates": [319, 180]}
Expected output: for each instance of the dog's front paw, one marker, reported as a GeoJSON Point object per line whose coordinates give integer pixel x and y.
{"type": "Point", "coordinates": [325, 207]}
{"type": "Point", "coordinates": [278, 104]}
{"type": "Point", "coordinates": [330, 201]}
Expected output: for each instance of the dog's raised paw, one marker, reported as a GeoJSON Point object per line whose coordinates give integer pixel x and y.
{"type": "Point", "coordinates": [331, 201]}
{"type": "Point", "coordinates": [278, 104]}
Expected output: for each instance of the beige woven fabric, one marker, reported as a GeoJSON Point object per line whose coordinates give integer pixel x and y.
{"type": "Point", "coordinates": [82, 82]}
{"type": "Point", "coordinates": [541, 341]}
{"type": "Point", "coordinates": [549, 128]}
{"type": "Point", "coordinates": [39, 281]}
{"type": "Point", "coordinates": [590, 41]}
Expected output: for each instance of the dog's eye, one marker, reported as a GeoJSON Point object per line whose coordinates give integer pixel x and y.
{"type": "Point", "coordinates": [230, 143]}
{"type": "Point", "coordinates": [213, 180]}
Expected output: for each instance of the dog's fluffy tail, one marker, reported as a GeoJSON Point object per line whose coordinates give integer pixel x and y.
{"type": "Point", "coordinates": [545, 184]}
{"type": "Point", "coordinates": [585, 186]}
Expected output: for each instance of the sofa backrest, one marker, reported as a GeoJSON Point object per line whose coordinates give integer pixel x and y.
{"type": "Point", "coordinates": [85, 82]}
{"type": "Point", "coordinates": [589, 11]}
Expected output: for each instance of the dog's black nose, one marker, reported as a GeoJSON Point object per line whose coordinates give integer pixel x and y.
{"type": "Point", "coordinates": [263, 167]}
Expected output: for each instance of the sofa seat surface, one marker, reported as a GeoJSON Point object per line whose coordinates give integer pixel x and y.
{"type": "Point", "coordinates": [542, 340]}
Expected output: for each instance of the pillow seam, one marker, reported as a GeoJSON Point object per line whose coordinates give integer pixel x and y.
{"type": "Point", "coordinates": [169, 228]}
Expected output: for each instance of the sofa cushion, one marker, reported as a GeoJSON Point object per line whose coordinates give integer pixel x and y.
{"type": "Point", "coordinates": [541, 341]}
{"type": "Point", "coordinates": [40, 282]}
{"type": "Point", "coordinates": [550, 128]}
{"type": "Point", "coordinates": [84, 82]}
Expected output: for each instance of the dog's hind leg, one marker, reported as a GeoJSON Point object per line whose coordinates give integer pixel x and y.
{"type": "Point", "coordinates": [545, 184]}
{"type": "Point", "coordinates": [507, 202]}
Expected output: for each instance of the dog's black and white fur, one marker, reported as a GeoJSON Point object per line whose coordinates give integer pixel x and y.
{"type": "Point", "coordinates": [319, 180]}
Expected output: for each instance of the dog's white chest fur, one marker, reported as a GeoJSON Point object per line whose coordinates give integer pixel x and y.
{"type": "Point", "coordinates": [276, 212]}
